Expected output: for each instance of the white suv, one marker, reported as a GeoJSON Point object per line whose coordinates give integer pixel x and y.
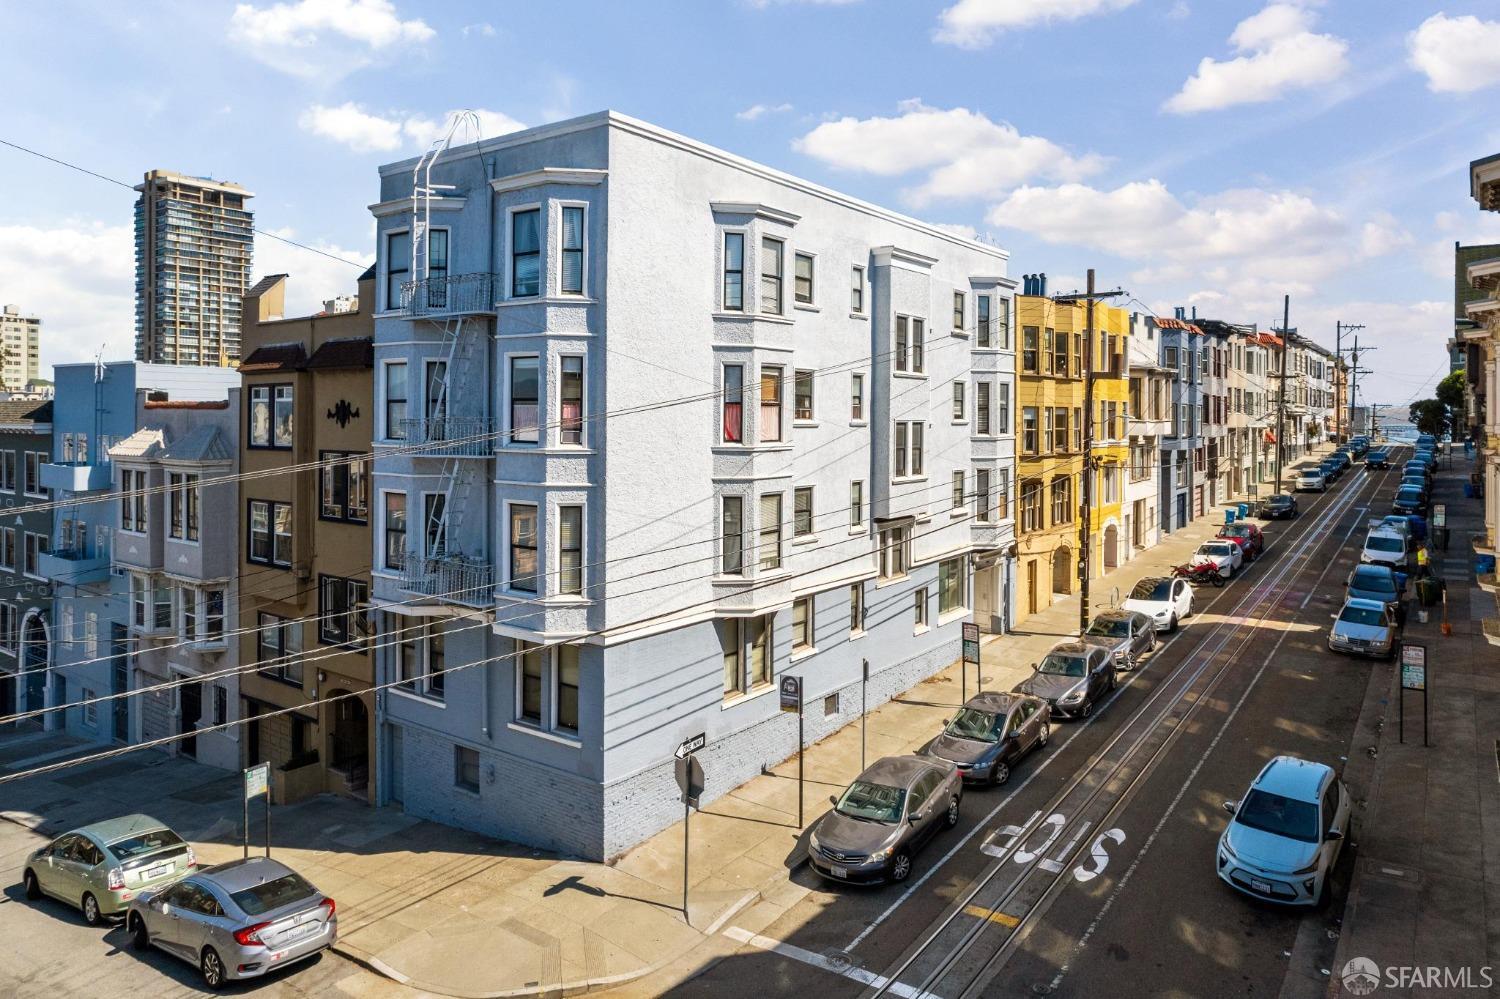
{"type": "Point", "coordinates": [1286, 833]}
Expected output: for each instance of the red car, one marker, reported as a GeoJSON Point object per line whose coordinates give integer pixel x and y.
{"type": "Point", "coordinates": [1247, 536]}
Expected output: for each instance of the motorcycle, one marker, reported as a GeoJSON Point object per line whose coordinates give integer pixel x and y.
{"type": "Point", "coordinates": [1199, 574]}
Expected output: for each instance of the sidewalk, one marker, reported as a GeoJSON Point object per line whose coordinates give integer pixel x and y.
{"type": "Point", "coordinates": [1425, 889]}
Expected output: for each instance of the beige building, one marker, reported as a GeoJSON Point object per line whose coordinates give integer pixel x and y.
{"type": "Point", "coordinates": [305, 543]}
{"type": "Point", "coordinates": [20, 349]}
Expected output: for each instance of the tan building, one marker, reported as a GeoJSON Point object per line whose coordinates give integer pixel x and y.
{"type": "Point", "coordinates": [20, 350]}
{"type": "Point", "coordinates": [305, 543]}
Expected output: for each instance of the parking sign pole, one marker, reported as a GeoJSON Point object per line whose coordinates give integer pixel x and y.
{"type": "Point", "coordinates": [245, 801]}
{"type": "Point", "coordinates": [800, 795]}
{"type": "Point", "coordinates": [687, 814]}
{"type": "Point", "coordinates": [864, 684]}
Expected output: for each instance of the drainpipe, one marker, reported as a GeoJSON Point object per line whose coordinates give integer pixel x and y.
{"type": "Point", "coordinates": [489, 540]}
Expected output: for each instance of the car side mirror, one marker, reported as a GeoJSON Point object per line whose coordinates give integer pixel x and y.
{"type": "Point", "coordinates": [833, 800]}
{"type": "Point", "coordinates": [917, 816]}
{"type": "Point", "coordinates": [1231, 807]}
{"type": "Point", "coordinates": [1333, 835]}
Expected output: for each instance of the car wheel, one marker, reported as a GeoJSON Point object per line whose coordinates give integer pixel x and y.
{"type": "Point", "coordinates": [1173, 625]}
{"type": "Point", "coordinates": [139, 938]}
{"type": "Point", "coordinates": [901, 866]}
{"type": "Point", "coordinates": [952, 817]}
{"type": "Point", "coordinates": [999, 774]}
{"type": "Point", "coordinates": [29, 882]}
{"type": "Point", "coordinates": [1041, 740]}
{"type": "Point", "coordinates": [212, 967]}
{"type": "Point", "coordinates": [1086, 710]}
{"type": "Point", "coordinates": [91, 913]}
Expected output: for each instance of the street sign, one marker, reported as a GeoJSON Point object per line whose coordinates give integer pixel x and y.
{"type": "Point", "coordinates": [1439, 515]}
{"type": "Point", "coordinates": [689, 779]}
{"type": "Point", "coordinates": [791, 693]}
{"type": "Point", "coordinates": [691, 745]}
{"type": "Point", "coordinates": [257, 780]}
{"type": "Point", "coordinates": [971, 642]}
{"type": "Point", "coordinates": [1413, 667]}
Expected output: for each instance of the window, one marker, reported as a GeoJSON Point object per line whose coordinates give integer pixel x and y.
{"type": "Point", "coordinates": [91, 719]}
{"type": "Point", "coordinates": [857, 290]}
{"type": "Point", "coordinates": [983, 427]}
{"type": "Point", "coordinates": [732, 536]}
{"type": "Point", "coordinates": [1031, 506]}
{"type": "Point", "coordinates": [1077, 429]}
{"type": "Point", "coordinates": [908, 452]}
{"type": "Point", "coordinates": [1028, 349]}
{"type": "Point", "coordinates": [770, 531]}
{"type": "Point", "coordinates": [1062, 500]}
{"type": "Point", "coordinates": [734, 403]}
{"type": "Point", "coordinates": [133, 500]}
{"type": "Point", "coordinates": [958, 490]}
{"type": "Point", "coordinates": [397, 267]}
{"type": "Point", "coordinates": [802, 395]}
{"type": "Point", "coordinates": [395, 531]}
{"type": "Point", "coordinates": [565, 687]}
{"type": "Point", "coordinates": [1049, 424]}
{"type": "Point", "coordinates": [1028, 430]}
{"type": "Point", "coordinates": [903, 340]}
{"type": "Point", "coordinates": [959, 311]}
{"type": "Point", "coordinates": [281, 416]}
{"type": "Point", "coordinates": [523, 558]}
{"type": "Point", "coordinates": [747, 658]}
{"type": "Point", "coordinates": [9, 628]}
{"type": "Point", "coordinates": [342, 610]}
{"type": "Point", "coordinates": [420, 657]}
{"type": "Point", "coordinates": [526, 253]}
{"type": "Point", "coordinates": [959, 413]}
{"type": "Point", "coordinates": [802, 288]}
{"type": "Point", "coordinates": [345, 487]}
{"type": "Point", "coordinates": [570, 550]}
{"type": "Point", "coordinates": [895, 551]}
{"type": "Point", "coordinates": [8, 549]}
{"type": "Point", "coordinates": [437, 269]}
{"type": "Point", "coordinates": [770, 403]}
{"type": "Point", "coordinates": [182, 499]}
{"type": "Point", "coordinates": [802, 512]}
{"type": "Point", "coordinates": [33, 483]}
{"type": "Point", "coordinates": [435, 394]}
{"type": "Point", "coordinates": [187, 621]}
{"type": "Point", "coordinates": [857, 396]}
{"type": "Point", "coordinates": [856, 503]}
{"type": "Point", "coordinates": [856, 608]}
{"type": "Point", "coordinates": [983, 334]}
{"type": "Point", "coordinates": [1002, 494]}
{"type": "Point", "coordinates": [8, 471]}
{"type": "Point", "coordinates": [950, 585]}
{"type": "Point", "coordinates": [802, 624]}
{"type": "Point", "coordinates": [466, 769]}
{"type": "Point", "coordinates": [395, 401]}
{"type": "Point", "coordinates": [270, 533]}
{"type": "Point", "coordinates": [919, 605]}
{"type": "Point", "coordinates": [35, 545]}
{"type": "Point", "coordinates": [221, 706]}
{"type": "Point", "coordinates": [212, 629]}
{"type": "Point", "coordinates": [982, 495]}
{"type": "Point", "coordinates": [770, 275]}
{"type": "Point", "coordinates": [918, 363]}
{"type": "Point", "coordinates": [525, 400]}
{"type": "Point", "coordinates": [571, 394]}
{"type": "Point", "coordinates": [531, 667]}
{"type": "Point", "coordinates": [572, 250]}
{"type": "Point", "coordinates": [734, 272]}
{"type": "Point", "coordinates": [1060, 430]}
{"type": "Point", "coordinates": [278, 650]}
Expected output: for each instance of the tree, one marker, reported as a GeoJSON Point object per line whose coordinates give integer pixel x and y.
{"type": "Point", "coordinates": [1430, 416]}
{"type": "Point", "coordinates": [1450, 391]}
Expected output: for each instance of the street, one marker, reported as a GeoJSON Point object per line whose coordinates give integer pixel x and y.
{"type": "Point", "coordinates": [1056, 883]}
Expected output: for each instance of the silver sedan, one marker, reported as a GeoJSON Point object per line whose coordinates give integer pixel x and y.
{"type": "Point", "coordinates": [235, 920]}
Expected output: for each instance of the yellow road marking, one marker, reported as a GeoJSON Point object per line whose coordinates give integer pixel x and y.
{"type": "Point", "coordinates": [980, 912]}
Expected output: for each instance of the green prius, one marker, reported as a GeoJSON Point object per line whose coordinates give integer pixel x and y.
{"type": "Point", "coordinates": [101, 867]}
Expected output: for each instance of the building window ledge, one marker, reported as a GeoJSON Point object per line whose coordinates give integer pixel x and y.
{"type": "Point", "coordinates": [737, 698]}
{"type": "Point", "coordinates": [810, 539]}
{"type": "Point", "coordinates": [431, 702]}
{"type": "Point", "coordinates": [551, 736]}
{"type": "Point", "coordinates": [956, 614]}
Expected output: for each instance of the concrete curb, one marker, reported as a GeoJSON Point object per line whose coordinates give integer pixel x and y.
{"type": "Point", "coordinates": [374, 964]}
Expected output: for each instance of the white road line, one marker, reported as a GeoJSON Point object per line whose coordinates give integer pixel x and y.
{"type": "Point", "coordinates": [860, 975]}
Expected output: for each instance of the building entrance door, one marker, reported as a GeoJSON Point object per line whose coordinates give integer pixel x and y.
{"type": "Point", "coordinates": [190, 709]}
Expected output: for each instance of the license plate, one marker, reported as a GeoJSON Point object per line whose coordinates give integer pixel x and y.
{"type": "Point", "coordinates": [1261, 886]}
{"type": "Point", "coordinates": [838, 872]}
{"type": "Point", "coordinates": [157, 871]}
{"type": "Point", "coordinates": [305, 930]}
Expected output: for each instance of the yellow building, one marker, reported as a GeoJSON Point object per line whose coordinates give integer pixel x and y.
{"type": "Point", "coordinates": [1050, 445]}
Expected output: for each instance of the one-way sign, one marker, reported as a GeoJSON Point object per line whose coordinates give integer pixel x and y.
{"type": "Point", "coordinates": [691, 745]}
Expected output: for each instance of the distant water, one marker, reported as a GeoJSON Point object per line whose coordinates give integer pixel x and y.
{"type": "Point", "coordinates": [1403, 432]}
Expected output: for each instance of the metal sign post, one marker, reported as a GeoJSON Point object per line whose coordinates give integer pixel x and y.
{"type": "Point", "coordinates": [257, 781]}
{"type": "Point", "coordinates": [689, 773]}
{"type": "Point", "coordinates": [791, 700]}
{"type": "Point", "coordinates": [971, 655]}
{"type": "Point", "coordinates": [864, 685]}
{"type": "Point", "coordinates": [1413, 677]}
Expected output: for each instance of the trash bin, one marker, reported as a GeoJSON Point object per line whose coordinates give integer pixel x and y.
{"type": "Point", "coordinates": [1229, 514]}
{"type": "Point", "coordinates": [1429, 591]}
{"type": "Point", "coordinates": [1244, 510]}
{"type": "Point", "coordinates": [1484, 565]}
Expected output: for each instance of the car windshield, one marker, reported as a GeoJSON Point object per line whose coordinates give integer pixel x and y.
{"type": "Point", "coordinates": [1062, 664]}
{"type": "Point", "coordinates": [1312, 474]}
{"type": "Point", "coordinates": [1152, 589]}
{"type": "Point", "coordinates": [147, 842]}
{"type": "Point", "coordinates": [1374, 581]}
{"type": "Point", "coordinates": [1110, 627]}
{"type": "Point", "coordinates": [1280, 499]}
{"type": "Point", "coordinates": [1235, 531]}
{"type": "Point", "coordinates": [971, 723]}
{"type": "Point", "coordinates": [872, 802]}
{"type": "Point", "coordinates": [1282, 816]}
{"type": "Point", "coordinates": [1380, 543]}
{"type": "Point", "coordinates": [1362, 615]}
{"type": "Point", "coordinates": [273, 894]}
{"type": "Point", "coordinates": [1219, 550]}
{"type": "Point", "coordinates": [1409, 493]}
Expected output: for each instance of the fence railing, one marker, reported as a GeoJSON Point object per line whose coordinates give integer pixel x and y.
{"type": "Point", "coordinates": [457, 295]}
{"type": "Point", "coordinates": [452, 436]}
{"type": "Point", "coordinates": [457, 579]}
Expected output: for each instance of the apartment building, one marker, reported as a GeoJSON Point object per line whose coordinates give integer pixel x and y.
{"type": "Point", "coordinates": [20, 350]}
{"type": "Point", "coordinates": [1150, 420]}
{"type": "Point", "coordinates": [1110, 521]}
{"type": "Point", "coordinates": [194, 239]}
{"type": "Point", "coordinates": [1482, 343]}
{"type": "Point", "coordinates": [25, 597]}
{"type": "Point", "coordinates": [1180, 351]}
{"type": "Point", "coordinates": [304, 551]}
{"type": "Point", "coordinates": [1208, 458]}
{"type": "Point", "coordinates": [97, 406]}
{"type": "Point", "coordinates": [657, 428]}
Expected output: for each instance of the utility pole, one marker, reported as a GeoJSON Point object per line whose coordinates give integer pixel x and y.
{"type": "Point", "coordinates": [1354, 373]}
{"type": "Point", "coordinates": [1286, 322]}
{"type": "Point", "coordinates": [1339, 329]}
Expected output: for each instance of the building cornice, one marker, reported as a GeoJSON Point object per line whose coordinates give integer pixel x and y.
{"type": "Point", "coordinates": [895, 256]}
{"type": "Point", "coordinates": [401, 206]}
{"type": "Point", "coordinates": [756, 209]}
{"type": "Point", "coordinates": [548, 175]}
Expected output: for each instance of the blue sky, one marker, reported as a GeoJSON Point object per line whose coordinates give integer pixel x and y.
{"type": "Point", "coordinates": [1216, 154]}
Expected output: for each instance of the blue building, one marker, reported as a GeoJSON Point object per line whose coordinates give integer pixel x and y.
{"type": "Point", "coordinates": [1180, 343]}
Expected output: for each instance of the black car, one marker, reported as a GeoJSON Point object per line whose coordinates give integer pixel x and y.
{"type": "Point", "coordinates": [883, 818]}
{"type": "Point", "coordinates": [1409, 500]}
{"type": "Point", "coordinates": [1331, 469]}
{"type": "Point", "coordinates": [1379, 582]}
{"type": "Point", "coordinates": [1276, 507]}
{"type": "Point", "coordinates": [1072, 679]}
{"type": "Point", "coordinates": [1379, 458]}
{"type": "Point", "coordinates": [990, 734]}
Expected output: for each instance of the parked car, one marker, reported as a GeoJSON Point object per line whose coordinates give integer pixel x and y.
{"type": "Point", "coordinates": [1428, 439]}
{"type": "Point", "coordinates": [1164, 600]}
{"type": "Point", "coordinates": [236, 920]}
{"type": "Point", "coordinates": [102, 867]}
{"type": "Point", "coordinates": [882, 819]}
{"type": "Point", "coordinates": [1358, 447]}
{"type": "Point", "coordinates": [1378, 458]}
{"type": "Point", "coordinates": [1417, 467]}
{"type": "Point", "coordinates": [1331, 470]}
{"type": "Point", "coordinates": [990, 734]}
{"type": "Point", "coordinates": [1381, 583]}
{"type": "Point", "coordinates": [1277, 506]}
{"type": "Point", "coordinates": [1286, 833]}
{"type": "Point", "coordinates": [1364, 628]}
{"type": "Point", "coordinates": [1072, 679]}
{"type": "Point", "coordinates": [1415, 479]}
{"type": "Point", "coordinates": [1249, 537]}
{"type": "Point", "coordinates": [1342, 458]}
{"type": "Point", "coordinates": [1311, 480]}
{"type": "Point", "coordinates": [1388, 547]}
{"type": "Point", "coordinates": [1128, 635]}
{"type": "Point", "coordinates": [1411, 525]}
{"type": "Point", "coordinates": [1226, 555]}
{"type": "Point", "coordinates": [1409, 499]}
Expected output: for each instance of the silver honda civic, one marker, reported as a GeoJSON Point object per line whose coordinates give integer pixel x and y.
{"type": "Point", "coordinates": [235, 920]}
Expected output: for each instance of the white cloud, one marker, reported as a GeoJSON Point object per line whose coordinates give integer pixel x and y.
{"type": "Point", "coordinates": [484, 29]}
{"type": "Point", "coordinates": [958, 229]}
{"type": "Point", "coordinates": [79, 277]}
{"type": "Point", "coordinates": [364, 132]}
{"type": "Point", "coordinates": [973, 24]}
{"type": "Point", "coordinates": [1458, 54]}
{"type": "Point", "coordinates": [755, 111]}
{"type": "Point", "coordinates": [1281, 53]}
{"type": "Point", "coordinates": [311, 278]}
{"type": "Point", "coordinates": [963, 153]}
{"type": "Point", "coordinates": [323, 38]}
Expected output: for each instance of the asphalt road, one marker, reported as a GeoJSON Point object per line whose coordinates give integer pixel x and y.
{"type": "Point", "coordinates": [1109, 887]}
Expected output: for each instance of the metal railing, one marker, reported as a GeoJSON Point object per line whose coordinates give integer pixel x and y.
{"type": "Point", "coordinates": [457, 579]}
{"type": "Point", "coordinates": [452, 436]}
{"type": "Point", "coordinates": [459, 294]}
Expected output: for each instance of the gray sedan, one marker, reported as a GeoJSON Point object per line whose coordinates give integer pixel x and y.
{"type": "Point", "coordinates": [235, 920]}
{"type": "Point", "coordinates": [1364, 628]}
{"type": "Point", "coordinates": [1130, 635]}
{"type": "Point", "coordinates": [883, 818]}
{"type": "Point", "coordinates": [990, 734]}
